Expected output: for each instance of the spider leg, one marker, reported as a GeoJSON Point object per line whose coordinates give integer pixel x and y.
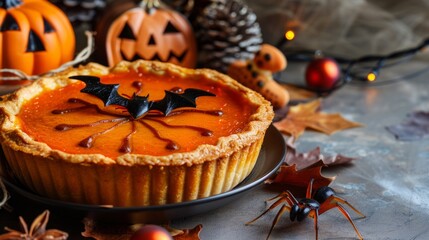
{"type": "Point", "coordinates": [309, 188]}
{"type": "Point", "coordinates": [316, 225]}
{"type": "Point", "coordinates": [332, 202]}
{"type": "Point", "coordinates": [276, 219]}
{"type": "Point", "coordinates": [346, 214]}
{"type": "Point", "coordinates": [291, 198]}
{"type": "Point", "coordinates": [287, 197]}
{"type": "Point", "coordinates": [343, 201]}
{"type": "Point", "coordinates": [281, 199]}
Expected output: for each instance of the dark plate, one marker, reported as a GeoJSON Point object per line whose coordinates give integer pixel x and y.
{"type": "Point", "coordinates": [270, 158]}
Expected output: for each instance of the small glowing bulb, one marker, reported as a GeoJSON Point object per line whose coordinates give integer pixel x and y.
{"type": "Point", "coordinates": [289, 35]}
{"type": "Point", "coordinates": [371, 77]}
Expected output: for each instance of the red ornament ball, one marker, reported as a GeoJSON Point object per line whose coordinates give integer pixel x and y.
{"type": "Point", "coordinates": [151, 232]}
{"type": "Point", "coordinates": [322, 74]}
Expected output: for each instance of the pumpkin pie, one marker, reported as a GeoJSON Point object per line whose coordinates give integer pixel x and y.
{"type": "Point", "coordinates": [64, 141]}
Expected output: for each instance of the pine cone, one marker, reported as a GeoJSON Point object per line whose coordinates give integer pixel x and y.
{"type": "Point", "coordinates": [226, 31]}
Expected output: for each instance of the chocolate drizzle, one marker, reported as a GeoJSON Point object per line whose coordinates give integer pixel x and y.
{"type": "Point", "coordinates": [203, 131]}
{"type": "Point", "coordinates": [121, 119]}
{"type": "Point", "coordinates": [126, 142]}
{"type": "Point", "coordinates": [65, 127]}
{"type": "Point", "coordinates": [89, 141]}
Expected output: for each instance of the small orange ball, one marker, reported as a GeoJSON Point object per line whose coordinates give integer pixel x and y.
{"type": "Point", "coordinates": [151, 232]}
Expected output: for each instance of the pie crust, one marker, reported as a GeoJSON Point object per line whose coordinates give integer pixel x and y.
{"type": "Point", "coordinates": [130, 179]}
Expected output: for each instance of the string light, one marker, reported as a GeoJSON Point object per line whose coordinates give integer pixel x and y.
{"type": "Point", "coordinates": [353, 69]}
{"type": "Point", "coordinates": [372, 76]}
{"type": "Point", "coordinates": [291, 27]}
{"type": "Point", "coordinates": [289, 35]}
{"type": "Point", "coordinates": [363, 69]}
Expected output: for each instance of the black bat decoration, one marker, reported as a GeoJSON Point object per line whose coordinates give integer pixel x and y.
{"type": "Point", "coordinates": [138, 106]}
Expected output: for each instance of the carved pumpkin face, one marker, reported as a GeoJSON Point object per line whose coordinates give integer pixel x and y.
{"type": "Point", "coordinates": [35, 36]}
{"type": "Point", "coordinates": [160, 34]}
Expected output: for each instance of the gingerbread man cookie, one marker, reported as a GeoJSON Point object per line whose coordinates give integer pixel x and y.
{"type": "Point", "coordinates": [257, 74]}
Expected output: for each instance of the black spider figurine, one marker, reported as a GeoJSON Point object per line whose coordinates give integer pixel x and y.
{"type": "Point", "coordinates": [312, 205]}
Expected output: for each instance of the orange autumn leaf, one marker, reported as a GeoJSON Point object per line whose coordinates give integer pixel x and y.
{"type": "Point", "coordinates": [188, 234]}
{"type": "Point", "coordinates": [308, 115]}
{"type": "Point", "coordinates": [290, 176]}
{"type": "Point", "coordinates": [305, 159]}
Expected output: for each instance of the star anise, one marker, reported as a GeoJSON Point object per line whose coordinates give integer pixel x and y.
{"type": "Point", "coordinates": [37, 230]}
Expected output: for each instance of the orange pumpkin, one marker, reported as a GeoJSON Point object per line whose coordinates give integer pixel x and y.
{"type": "Point", "coordinates": [113, 10]}
{"type": "Point", "coordinates": [152, 32]}
{"type": "Point", "coordinates": [35, 36]}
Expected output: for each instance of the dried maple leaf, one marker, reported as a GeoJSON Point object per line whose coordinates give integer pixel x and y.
{"type": "Point", "coordinates": [291, 177]}
{"type": "Point", "coordinates": [37, 230]}
{"type": "Point", "coordinates": [281, 113]}
{"type": "Point", "coordinates": [299, 168]}
{"type": "Point", "coordinates": [186, 234]}
{"type": "Point", "coordinates": [338, 159]}
{"type": "Point", "coordinates": [414, 127]}
{"type": "Point", "coordinates": [308, 115]}
{"type": "Point", "coordinates": [303, 160]}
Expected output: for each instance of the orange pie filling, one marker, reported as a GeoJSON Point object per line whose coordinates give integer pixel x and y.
{"type": "Point", "coordinates": [66, 144]}
{"type": "Point", "coordinates": [64, 118]}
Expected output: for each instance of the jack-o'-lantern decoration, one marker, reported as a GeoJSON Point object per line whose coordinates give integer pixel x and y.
{"type": "Point", "coordinates": [35, 36]}
{"type": "Point", "coordinates": [153, 32]}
